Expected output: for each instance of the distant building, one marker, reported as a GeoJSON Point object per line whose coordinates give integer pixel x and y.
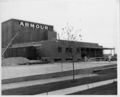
{"type": "Point", "coordinates": [38, 41]}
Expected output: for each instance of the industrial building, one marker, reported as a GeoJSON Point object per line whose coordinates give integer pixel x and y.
{"type": "Point", "coordinates": [39, 41]}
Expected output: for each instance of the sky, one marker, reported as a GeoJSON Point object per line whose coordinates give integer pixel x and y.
{"type": "Point", "coordinates": [95, 20]}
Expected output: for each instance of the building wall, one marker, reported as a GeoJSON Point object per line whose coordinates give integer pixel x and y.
{"type": "Point", "coordinates": [16, 52]}
{"type": "Point", "coordinates": [56, 50]}
{"type": "Point", "coordinates": [29, 52]}
{"type": "Point", "coordinates": [36, 41]}
{"type": "Point", "coordinates": [50, 49]}
{"type": "Point", "coordinates": [27, 33]}
{"type": "Point", "coordinates": [7, 32]}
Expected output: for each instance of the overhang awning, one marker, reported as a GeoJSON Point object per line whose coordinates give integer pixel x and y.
{"type": "Point", "coordinates": [108, 48]}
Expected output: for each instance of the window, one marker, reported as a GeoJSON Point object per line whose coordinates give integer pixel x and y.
{"type": "Point", "coordinates": [68, 50]}
{"type": "Point", "coordinates": [59, 49]}
{"type": "Point", "coordinates": [78, 50]}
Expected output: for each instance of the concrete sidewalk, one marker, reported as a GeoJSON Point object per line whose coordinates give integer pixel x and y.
{"type": "Point", "coordinates": [38, 69]}
{"type": "Point", "coordinates": [79, 88]}
{"type": "Point", "coordinates": [44, 81]}
{"type": "Point", "coordinates": [54, 84]}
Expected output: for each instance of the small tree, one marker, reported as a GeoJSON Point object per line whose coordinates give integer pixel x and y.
{"type": "Point", "coordinates": [72, 35]}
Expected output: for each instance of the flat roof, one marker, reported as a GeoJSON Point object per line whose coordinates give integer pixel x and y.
{"type": "Point", "coordinates": [108, 48]}
{"type": "Point", "coordinates": [39, 43]}
{"type": "Point", "coordinates": [12, 19]}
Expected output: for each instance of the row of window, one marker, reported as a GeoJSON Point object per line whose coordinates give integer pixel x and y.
{"type": "Point", "coordinates": [78, 50]}
{"type": "Point", "coordinates": [68, 50]}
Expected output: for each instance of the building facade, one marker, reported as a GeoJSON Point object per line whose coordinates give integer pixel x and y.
{"type": "Point", "coordinates": [38, 41]}
{"type": "Point", "coordinates": [28, 32]}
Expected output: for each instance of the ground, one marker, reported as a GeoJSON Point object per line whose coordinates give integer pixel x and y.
{"type": "Point", "coordinates": [110, 89]}
{"type": "Point", "coordinates": [60, 85]}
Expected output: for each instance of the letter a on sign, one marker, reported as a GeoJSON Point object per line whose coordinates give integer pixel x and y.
{"type": "Point", "coordinates": [21, 24]}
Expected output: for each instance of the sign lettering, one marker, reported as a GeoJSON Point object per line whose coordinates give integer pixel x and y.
{"type": "Point", "coordinates": [32, 25]}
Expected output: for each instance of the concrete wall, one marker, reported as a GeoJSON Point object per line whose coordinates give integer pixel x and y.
{"type": "Point", "coordinates": [29, 52]}
{"type": "Point", "coordinates": [27, 33]}
{"type": "Point", "coordinates": [6, 32]}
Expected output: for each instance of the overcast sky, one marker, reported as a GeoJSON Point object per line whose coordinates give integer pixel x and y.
{"type": "Point", "coordinates": [97, 19]}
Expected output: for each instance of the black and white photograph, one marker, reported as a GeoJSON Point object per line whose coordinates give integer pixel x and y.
{"type": "Point", "coordinates": [59, 47]}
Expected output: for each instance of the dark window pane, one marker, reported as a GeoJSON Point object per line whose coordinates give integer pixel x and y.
{"type": "Point", "coordinates": [78, 49]}
{"type": "Point", "coordinates": [59, 49]}
{"type": "Point", "coordinates": [68, 50]}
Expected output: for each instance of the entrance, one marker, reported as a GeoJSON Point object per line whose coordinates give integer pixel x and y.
{"type": "Point", "coordinates": [32, 53]}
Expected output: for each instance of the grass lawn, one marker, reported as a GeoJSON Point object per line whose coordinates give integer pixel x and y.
{"type": "Point", "coordinates": [37, 89]}
{"type": "Point", "coordinates": [110, 89]}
